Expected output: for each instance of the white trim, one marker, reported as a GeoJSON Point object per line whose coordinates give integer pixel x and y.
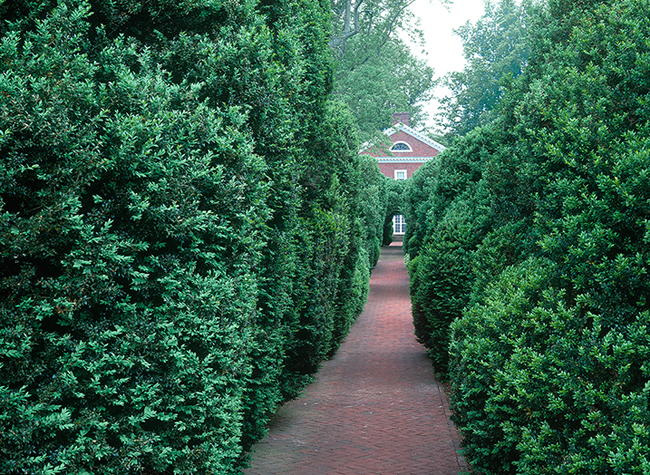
{"type": "Point", "coordinates": [403, 159]}
{"type": "Point", "coordinates": [399, 225]}
{"type": "Point", "coordinates": [399, 171]}
{"type": "Point", "coordinates": [414, 133]}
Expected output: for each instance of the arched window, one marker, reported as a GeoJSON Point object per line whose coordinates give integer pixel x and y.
{"type": "Point", "coordinates": [401, 147]}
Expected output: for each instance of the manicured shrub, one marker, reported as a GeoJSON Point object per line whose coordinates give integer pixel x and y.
{"type": "Point", "coordinates": [129, 263]}
{"type": "Point", "coordinates": [374, 204]}
{"type": "Point", "coordinates": [548, 364]}
{"type": "Point", "coordinates": [394, 204]}
{"type": "Point", "coordinates": [541, 386]}
{"type": "Point", "coordinates": [417, 195]}
{"type": "Point", "coordinates": [179, 248]}
{"type": "Point", "coordinates": [449, 203]}
{"type": "Point", "coordinates": [438, 183]}
{"type": "Point", "coordinates": [442, 275]}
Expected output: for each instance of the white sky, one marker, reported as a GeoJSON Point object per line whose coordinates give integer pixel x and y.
{"type": "Point", "coordinates": [444, 49]}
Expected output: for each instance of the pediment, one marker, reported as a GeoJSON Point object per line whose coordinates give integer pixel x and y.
{"type": "Point", "coordinates": [414, 134]}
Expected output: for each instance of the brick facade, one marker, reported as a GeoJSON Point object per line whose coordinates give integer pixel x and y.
{"type": "Point", "coordinates": [388, 169]}
{"type": "Point", "coordinates": [410, 150]}
{"type": "Point", "coordinates": [418, 148]}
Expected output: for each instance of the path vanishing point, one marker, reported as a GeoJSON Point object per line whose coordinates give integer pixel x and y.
{"type": "Point", "coordinates": [376, 408]}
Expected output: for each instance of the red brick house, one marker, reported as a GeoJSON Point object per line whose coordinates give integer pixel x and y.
{"type": "Point", "coordinates": [408, 151]}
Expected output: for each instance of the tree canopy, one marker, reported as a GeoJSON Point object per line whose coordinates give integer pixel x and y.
{"type": "Point", "coordinates": [496, 49]}
{"type": "Point", "coordinates": [376, 73]}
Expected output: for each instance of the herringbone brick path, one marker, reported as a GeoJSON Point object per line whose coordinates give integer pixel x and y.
{"type": "Point", "coordinates": [376, 407]}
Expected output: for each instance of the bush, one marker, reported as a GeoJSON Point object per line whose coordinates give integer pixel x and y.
{"type": "Point", "coordinates": [450, 206]}
{"type": "Point", "coordinates": [541, 386]}
{"type": "Point", "coordinates": [417, 196]}
{"type": "Point", "coordinates": [548, 364]}
{"type": "Point", "coordinates": [442, 278]}
{"type": "Point", "coordinates": [394, 204]}
{"type": "Point", "coordinates": [176, 259]}
{"type": "Point", "coordinates": [128, 263]}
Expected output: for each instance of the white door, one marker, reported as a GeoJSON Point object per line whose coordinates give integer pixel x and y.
{"type": "Point", "coordinates": [399, 225]}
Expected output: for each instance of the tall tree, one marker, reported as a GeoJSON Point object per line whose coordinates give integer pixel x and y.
{"type": "Point", "coordinates": [496, 49]}
{"type": "Point", "coordinates": [390, 81]}
{"type": "Point", "coordinates": [376, 74]}
{"type": "Point", "coordinates": [364, 17]}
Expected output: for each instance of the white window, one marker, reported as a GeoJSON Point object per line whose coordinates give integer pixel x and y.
{"type": "Point", "coordinates": [399, 225]}
{"type": "Point", "coordinates": [400, 174]}
{"type": "Point", "coordinates": [401, 147]}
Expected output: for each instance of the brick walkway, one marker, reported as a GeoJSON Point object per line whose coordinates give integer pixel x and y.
{"type": "Point", "coordinates": [376, 407]}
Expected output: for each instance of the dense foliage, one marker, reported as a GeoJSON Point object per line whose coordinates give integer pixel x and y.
{"type": "Point", "coordinates": [534, 247]}
{"type": "Point", "coordinates": [186, 228]}
{"type": "Point", "coordinates": [376, 80]}
{"type": "Point", "coordinates": [449, 205]}
{"type": "Point", "coordinates": [496, 49]}
{"type": "Point", "coordinates": [376, 74]}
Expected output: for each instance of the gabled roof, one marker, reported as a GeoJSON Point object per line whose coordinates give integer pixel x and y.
{"type": "Point", "coordinates": [397, 128]}
{"type": "Point", "coordinates": [415, 134]}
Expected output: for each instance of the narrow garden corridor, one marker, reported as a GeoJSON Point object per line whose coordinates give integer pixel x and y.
{"type": "Point", "coordinates": [376, 407]}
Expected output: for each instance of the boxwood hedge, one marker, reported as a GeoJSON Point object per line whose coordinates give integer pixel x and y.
{"type": "Point", "coordinates": [186, 228]}
{"type": "Point", "coordinates": [541, 264]}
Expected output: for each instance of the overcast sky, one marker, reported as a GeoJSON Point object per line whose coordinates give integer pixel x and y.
{"type": "Point", "coordinates": [444, 48]}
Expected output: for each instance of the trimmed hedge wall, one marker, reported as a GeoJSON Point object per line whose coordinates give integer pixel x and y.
{"type": "Point", "coordinates": [450, 206]}
{"type": "Point", "coordinates": [186, 229]}
{"type": "Point", "coordinates": [531, 269]}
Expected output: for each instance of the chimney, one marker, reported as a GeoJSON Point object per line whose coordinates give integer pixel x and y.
{"type": "Point", "coordinates": [403, 117]}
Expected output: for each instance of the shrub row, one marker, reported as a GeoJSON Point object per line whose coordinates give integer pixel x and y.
{"type": "Point", "coordinates": [186, 229]}
{"type": "Point", "coordinates": [530, 259]}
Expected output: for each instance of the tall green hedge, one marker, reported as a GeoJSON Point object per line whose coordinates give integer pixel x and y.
{"type": "Point", "coordinates": [548, 356]}
{"type": "Point", "coordinates": [416, 195]}
{"type": "Point", "coordinates": [186, 229]}
{"type": "Point", "coordinates": [449, 204]}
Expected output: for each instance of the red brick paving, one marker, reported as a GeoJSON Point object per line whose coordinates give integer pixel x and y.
{"type": "Point", "coordinates": [376, 407]}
